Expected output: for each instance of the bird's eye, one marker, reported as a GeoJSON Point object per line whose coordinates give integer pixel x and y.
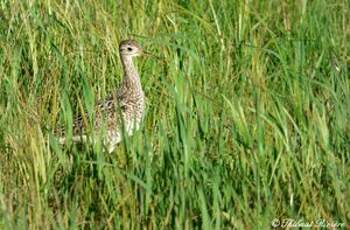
{"type": "Point", "coordinates": [129, 49]}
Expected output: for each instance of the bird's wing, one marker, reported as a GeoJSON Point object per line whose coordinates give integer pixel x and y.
{"type": "Point", "coordinates": [81, 120]}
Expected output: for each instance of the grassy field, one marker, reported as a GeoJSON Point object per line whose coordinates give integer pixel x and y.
{"type": "Point", "coordinates": [247, 125]}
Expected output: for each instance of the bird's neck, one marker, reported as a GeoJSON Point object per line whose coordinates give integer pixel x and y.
{"type": "Point", "coordinates": [130, 91]}
{"type": "Point", "coordinates": [131, 76]}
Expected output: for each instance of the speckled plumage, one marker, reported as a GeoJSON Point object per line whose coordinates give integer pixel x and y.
{"type": "Point", "coordinates": [125, 106]}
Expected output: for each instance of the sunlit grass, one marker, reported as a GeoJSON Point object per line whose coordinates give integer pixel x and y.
{"type": "Point", "coordinates": [247, 114]}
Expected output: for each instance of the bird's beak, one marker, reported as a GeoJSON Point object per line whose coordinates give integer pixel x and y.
{"type": "Point", "coordinates": [149, 54]}
{"type": "Point", "coordinates": [146, 53]}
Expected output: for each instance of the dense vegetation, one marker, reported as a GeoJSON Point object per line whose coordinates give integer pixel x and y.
{"type": "Point", "coordinates": [247, 114]}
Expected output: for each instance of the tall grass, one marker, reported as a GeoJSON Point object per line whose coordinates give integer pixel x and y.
{"type": "Point", "coordinates": [247, 114]}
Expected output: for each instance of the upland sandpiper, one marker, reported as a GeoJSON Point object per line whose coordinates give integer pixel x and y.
{"type": "Point", "coordinates": [122, 110]}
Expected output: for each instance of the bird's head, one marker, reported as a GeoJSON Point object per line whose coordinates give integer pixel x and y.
{"type": "Point", "coordinates": [130, 48]}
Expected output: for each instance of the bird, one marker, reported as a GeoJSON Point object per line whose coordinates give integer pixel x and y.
{"type": "Point", "coordinates": [122, 111]}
